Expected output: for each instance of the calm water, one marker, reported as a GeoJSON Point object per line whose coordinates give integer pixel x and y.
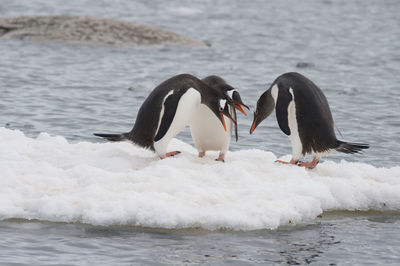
{"type": "Point", "coordinates": [327, 241]}
{"type": "Point", "coordinates": [350, 49]}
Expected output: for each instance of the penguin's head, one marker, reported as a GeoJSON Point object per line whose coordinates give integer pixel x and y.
{"type": "Point", "coordinates": [237, 101]}
{"type": "Point", "coordinates": [265, 106]}
{"type": "Point", "coordinates": [219, 105]}
{"type": "Point", "coordinates": [223, 110]}
{"type": "Point", "coordinates": [220, 84]}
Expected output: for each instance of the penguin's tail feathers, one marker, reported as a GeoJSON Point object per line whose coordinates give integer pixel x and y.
{"type": "Point", "coordinates": [348, 147]}
{"type": "Point", "coordinates": [112, 137]}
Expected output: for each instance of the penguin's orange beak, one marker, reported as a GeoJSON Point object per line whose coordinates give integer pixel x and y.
{"type": "Point", "coordinates": [253, 126]}
{"type": "Point", "coordinates": [240, 108]}
{"type": "Point", "coordinates": [228, 116]}
{"type": "Point", "coordinates": [223, 120]}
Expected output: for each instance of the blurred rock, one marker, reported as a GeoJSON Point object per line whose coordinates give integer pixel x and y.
{"type": "Point", "coordinates": [88, 30]}
{"type": "Point", "coordinates": [304, 65]}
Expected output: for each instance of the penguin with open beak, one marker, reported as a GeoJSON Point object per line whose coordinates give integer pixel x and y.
{"type": "Point", "coordinates": [303, 114]}
{"type": "Point", "coordinates": [169, 108]}
{"type": "Point", "coordinates": [220, 84]}
{"type": "Point", "coordinates": [207, 132]}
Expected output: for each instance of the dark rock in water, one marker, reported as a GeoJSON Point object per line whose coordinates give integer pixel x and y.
{"type": "Point", "coordinates": [88, 29]}
{"type": "Point", "coordinates": [304, 65]}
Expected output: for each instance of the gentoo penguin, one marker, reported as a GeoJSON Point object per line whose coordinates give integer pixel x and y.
{"type": "Point", "coordinates": [304, 115]}
{"type": "Point", "coordinates": [207, 132]}
{"type": "Point", "coordinates": [168, 109]}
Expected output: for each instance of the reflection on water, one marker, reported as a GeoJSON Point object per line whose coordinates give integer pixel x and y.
{"type": "Point", "coordinates": [307, 244]}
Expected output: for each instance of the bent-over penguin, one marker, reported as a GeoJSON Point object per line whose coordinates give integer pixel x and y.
{"type": "Point", "coordinates": [207, 132]}
{"type": "Point", "coordinates": [304, 115]}
{"type": "Point", "coordinates": [168, 109]}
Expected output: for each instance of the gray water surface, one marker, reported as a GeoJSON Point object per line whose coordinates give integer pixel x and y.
{"type": "Point", "coordinates": [335, 239]}
{"type": "Point", "coordinates": [351, 49]}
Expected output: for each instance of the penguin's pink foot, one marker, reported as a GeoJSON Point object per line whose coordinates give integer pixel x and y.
{"type": "Point", "coordinates": [283, 162]}
{"type": "Point", "coordinates": [170, 154]}
{"type": "Point", "coordinates": [221, 157]}
{"type": "Point", "coordinates": [202, 154]}
{"type": "Point", "coordinates": [309, 165]}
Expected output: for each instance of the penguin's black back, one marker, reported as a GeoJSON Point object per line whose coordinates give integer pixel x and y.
{"type": "Point", "coordinates": [218, 83]}
{"type": "Point", "coordinates": [314, 118]}
{"type": "Point", "coordinates": [214, 81]}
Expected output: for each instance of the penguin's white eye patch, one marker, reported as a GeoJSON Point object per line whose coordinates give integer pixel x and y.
{"type": "Point", "coordinates": [230, 93]}
{"type": "Point", "coordinates": [222, 104]}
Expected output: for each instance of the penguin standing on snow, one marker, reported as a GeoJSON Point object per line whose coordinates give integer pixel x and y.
{"type": "Point", "coordinates": [207, 132]}
{"type": "Point", "coordinates": [168, 109]}
{"type": "Point", "coordinates": [303, 114]}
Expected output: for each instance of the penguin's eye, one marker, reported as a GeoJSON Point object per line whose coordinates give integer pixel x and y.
{"type": "Point", "coordinates": [222, 104]}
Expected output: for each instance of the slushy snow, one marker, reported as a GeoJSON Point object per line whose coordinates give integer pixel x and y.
{"type": "Point", "coordinates": [48, 178]}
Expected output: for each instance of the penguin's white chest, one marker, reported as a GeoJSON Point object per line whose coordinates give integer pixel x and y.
{"type": "Point", "coordinates": [207, 131]}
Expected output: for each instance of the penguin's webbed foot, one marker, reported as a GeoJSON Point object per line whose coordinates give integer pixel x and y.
{"type": "Point", "coordinates": [221, 158]}
{"type": "Point", "coordinates": [309, 165]}
{"type": "Point", "coordinates": [284, 162]}
{"type": "Point", "coordinates": [202, 154]}
{"type": "Point", "coordinates": [170, 154]}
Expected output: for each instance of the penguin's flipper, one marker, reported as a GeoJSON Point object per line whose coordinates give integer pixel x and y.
{"type": "Point", "coordinates": [112, 137]}
{"type": "Point", "coordinates": [281, 110]}
{"type": "Point", "coordinates": [170, 106]}
{"type": "Point", "coordinates": [235, 124]}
